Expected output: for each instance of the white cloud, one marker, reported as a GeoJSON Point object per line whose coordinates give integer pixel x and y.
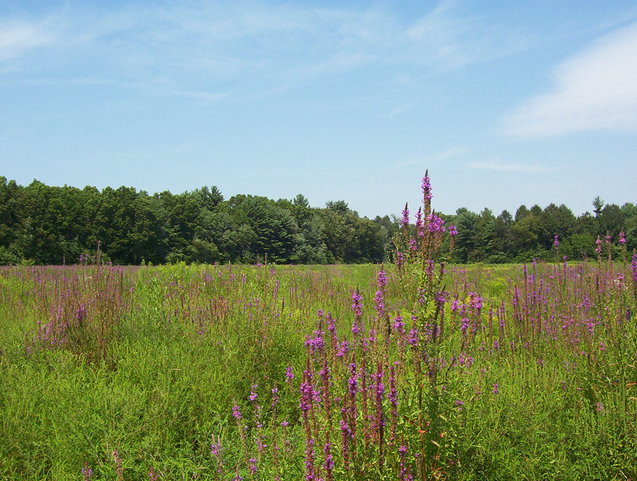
{"type": "Point", "coordinates": [503, 167]}
{"type": "Point", "coordinates": [266, 39]}
{"type": "Point", "coordinates": [16, 38]}
{"type": "Point", "coordinates": [437, 157]}
{"type": "Point", "coordinates": [594, 90]}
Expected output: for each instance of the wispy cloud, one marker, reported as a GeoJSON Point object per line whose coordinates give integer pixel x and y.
{"type": "Point", "coordinates": [450, 153]}
{"type": "Point", "coordinates": [509, 167]}
{"type": "Point", "coordinates": [256, 46]}
{"type": "Point", "coordinates": [594, 90]}
{"type": "Point", "coordinates": [16, 38]}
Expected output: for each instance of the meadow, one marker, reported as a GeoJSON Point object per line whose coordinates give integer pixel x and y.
{"type": "Point", "coordinates": [409, 371]}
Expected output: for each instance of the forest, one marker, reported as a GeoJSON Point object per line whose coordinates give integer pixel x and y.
{"type": "Point", "coordinates": [41, 224]}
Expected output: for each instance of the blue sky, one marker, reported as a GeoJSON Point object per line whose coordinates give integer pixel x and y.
{"type": "Point", "coordinates": [506, 103]}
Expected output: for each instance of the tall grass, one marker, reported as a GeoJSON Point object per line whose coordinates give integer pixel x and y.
{"type": "Point", "coordinates": [418, 371]}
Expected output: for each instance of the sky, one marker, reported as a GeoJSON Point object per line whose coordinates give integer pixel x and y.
{"type": "Point", "coordinates": [505, 103]}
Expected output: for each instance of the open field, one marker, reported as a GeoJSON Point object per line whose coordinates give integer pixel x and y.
{"type": "Point", "coordinates": [262, 372]}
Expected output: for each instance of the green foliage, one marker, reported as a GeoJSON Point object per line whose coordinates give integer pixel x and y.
{"type": "Point", "coordinates": [40, 224]}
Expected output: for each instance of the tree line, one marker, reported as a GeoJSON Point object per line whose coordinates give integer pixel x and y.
{"type": "Point", "coordinates": [42, 224]}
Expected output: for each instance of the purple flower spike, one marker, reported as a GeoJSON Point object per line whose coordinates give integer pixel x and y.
{"type": "Point", "coordinates": [426, 186]}
{"type": "Point", "coordinates": [405, 220]}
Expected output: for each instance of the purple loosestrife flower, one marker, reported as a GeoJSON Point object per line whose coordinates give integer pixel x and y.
{"type": "Point", "coordinates": [465, 325]}
{"type": "Point", "coordinates": [556, 241]}
{"type": "Point", "coordinates": [328, 465]}
{"type": "Point", "coordinates": [404, 474]}
{"type": "Point", "coordinates": [633, 267]}
{"type": "Point", "coordinates": [152, 475]}
{"type": "Point", "coordinates": [608, 238]}
{"type": "Point", "coordinates": [426, 186]}
{"type": "Point", "coordinates": [412, 340]}
{"type": "Point", "coordinates": [253, 393]}
{"type": "Point", "coordinates": [357, 304]}
{"type": "Point", "coordinates": [353, 379]}
{"type": "Point", "coordinates": [598, 245]}
{"type": "Point", "coordinates": [215, 449]}
{"type": "Point", "coordinates": [236, 412]}
{"type": "Point", "coordinates": [399, 325]}
{"type": "Point", "coordinates": [253, 466]}
{"type": "Point", "coordinates": [400, 259]}
{"type": "Point", "coordinates": [475, 301]}
{"type": "Point", "coordinates": [275, 397]}
{"type": "Point", "coordinates": [343, 348]}
{"type": "Point", "coordinates": [317, 343]}
{"type": "Point", "coordinates": [381, 279]}
{"type": "Point", "coordinates": [379, 303]}
{"type": "Point", "coordinates": [496, 388]}
{"type": "Point", "coordinates": [622, 238]}
{"type": "Point", "coordinates": [307, 395]}
{"type": "Point", "coordinates": [435, 224]}
{"type": "Point", "coordinates": [453, 232]}
{"type": "Point", "coordinates": [413, 245]}
{"type": "Point", "coordinates": [289, 375]}
{"type": "Point", "coordinates": [331, 325]}
{"type": "Point", "coordinates": [405, 219]}
{"type": "Point", "coordinates": [87, 472]}
{"type": "Point", "coordinates": [346, 432]}
{"type": "Point", "coordinates": [420, 226]}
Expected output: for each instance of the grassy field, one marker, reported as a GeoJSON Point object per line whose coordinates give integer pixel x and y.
{"type": "Point", "coordinates": [335, 372]}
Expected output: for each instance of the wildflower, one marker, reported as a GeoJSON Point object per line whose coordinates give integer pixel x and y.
{"type": "Point", "coordinates": [420, 226]}
{"type": "Point", "coordinates": [381, 279]}
{"type": "Point", "coordinates": [342, 349]}
{"type": "Point", "coordinates": [622, 238]}
{"type": "Point", "coordinates": [253, 466]}
{"type": "Point", "coordinates": [152, 475]}
{"type": "Point", "coordinates": [289, 375]}
{"type": "Point", "coordinates": [412, 340]}
{"type": "Point", "coordinates": [236, 412]}
{"type": "Point", "coordinates": [598, 246]}
{"type": "Point", "coordinates": [453, 232]}
{"type": "Point", "coordinates": [215, 449]}
{"type": "Point", "coordinates": [405, 219]}
{"type": "Point", "coordinates": [253, 393]}
{"type": "Point", "coordinates": [87, 472]}
{"type": "Point", "coordinates": [399, 325]}
{"type": "Point", "coordinates": [307, 395]}
{"type": "Point", "coordinates": [496, 388]}
{"type": "Point", "coordinates": [379, 303]}
{"type": "Point", "coordinates": [329, 459]}
{"type": "Point", "coordinates": [426, 186]}
{"type": "Point", "coordinates": [556, 241]}
{"type": "Point", "coordinates": [357, 304]}
{"type": "Point", "coordinates": [464, 325]}
{"type": "Point", "coordinates": [435, 224]}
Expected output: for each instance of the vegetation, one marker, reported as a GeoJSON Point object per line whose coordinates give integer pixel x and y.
{"type": "Point", "coordinates": [414, 371]}
{"type": "Point", "coordinates": [40, 224]}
